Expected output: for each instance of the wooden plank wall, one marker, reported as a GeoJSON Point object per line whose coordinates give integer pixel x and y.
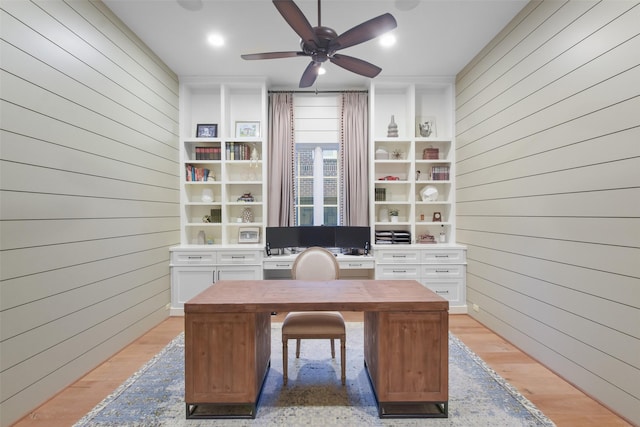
{"type": "Point", "coordinates": [89, 193]}
{"type": "Point", "coordinates": [548, 191]}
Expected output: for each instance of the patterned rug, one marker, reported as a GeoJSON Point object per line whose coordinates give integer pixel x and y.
{"type": "Point", "coordinates": [154, 396]}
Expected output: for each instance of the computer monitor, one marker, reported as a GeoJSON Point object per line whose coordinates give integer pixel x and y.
{"type": "Point", "coordinates": [353, 237]}
{"type": "Point", "coordinates": [282, 237]}
{"type": "Point", "coordinates": [320, 235]}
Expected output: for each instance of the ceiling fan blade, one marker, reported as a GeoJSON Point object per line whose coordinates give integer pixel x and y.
{"type": "Point", "coordinates": [296, 20]}
{"type": "Point", "coordinates": [272, 55]}
{"type": "Point", "coordinates": [356, 65]}
{"type": "Point", "coordinates": [310, 74]}
{"type": "Point", "coordinates": [366, 31]}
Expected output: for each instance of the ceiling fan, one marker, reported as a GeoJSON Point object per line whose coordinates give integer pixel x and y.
{"type": "Point", "coordinates": [321, 43]}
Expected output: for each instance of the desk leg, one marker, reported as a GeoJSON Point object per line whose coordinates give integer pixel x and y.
{"type": "Point", "coordinates": [227, 357]}
{"type": "Point", "coordinates": [407, 361]}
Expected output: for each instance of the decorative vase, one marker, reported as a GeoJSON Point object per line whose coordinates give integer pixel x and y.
{"type": "Point", "coordinates": [247, 215]}
{"type": "Point", "coordinates": [383, 215]}
{"type": "Point", "coordinates": [207, 195]}
{"type": "Point", "coordinates": [394, 218]}
{"type": "Point", "coordinates": [392, 130]}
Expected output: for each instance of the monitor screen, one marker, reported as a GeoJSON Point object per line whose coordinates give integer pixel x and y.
{"type": "Point", "coordinates": [323, 236]}
{"type": "Point", "coordinates": [282, 237]}
{"type": "Point", "coordinates": [352, 237]}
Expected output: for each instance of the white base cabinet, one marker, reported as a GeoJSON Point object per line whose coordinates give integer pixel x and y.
{"type": "Point", "coordinates": [441, 268]}
{"type": "Point", "coordinates": [193, 269]}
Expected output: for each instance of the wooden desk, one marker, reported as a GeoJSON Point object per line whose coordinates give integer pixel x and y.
{"type": "Point", "coordinates": [228, 342]}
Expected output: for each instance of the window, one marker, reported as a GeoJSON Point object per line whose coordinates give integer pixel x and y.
{"type": "Point", "coordinates": [316, 184]}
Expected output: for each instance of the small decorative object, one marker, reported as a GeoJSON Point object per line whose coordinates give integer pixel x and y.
{"type": "Point", "coordinates": [437, 217]}
{"type": "Point", "coordinates": [382, 154]}
{"type": "Point", "coordinates": [201, 237]}
{"type": "Point", "coordinates": [421, 217]}
{"type": "Point", "coordinates": [209, 240]}
{"type": "Point", "coordinates": [429, 193]}
{"type": "Point", "coordinates": [443, 235]}
{"type": "Point", "coordinates": [426, 127]}
{"type": "Point", "coordinates": [206, 218]}
{"type": "Point", "coordinates": [207, 195]}
{"type": "Point", "coordinates": [393, 213]}
{"type": "Point", "coordinates": [255, 156]}
{"type": "Point", "coordinates": [383, 215]}
{"type": "Point", "coordinates": [426, 238]}
{"type": "Point", "coordinates": [392, 130]}
{"type": "Point", "coordinates": [207, 130]}
{"type": "Point", "coordinates": [247, 129]}
{"type": "Point", "coordinates": [396, 154]}
{"type": "Point", "coordinates": [417, 175]}
{"type": "Point", "coordinates": [246, 197]}
{"type": "Point", "coordinates": [247, 215]}
{"type": "Point", "coordinates": [211, 177]}
{"type": "Point", "coordinates": [430, 153]}
{"type": "Point", "coordinates": [249, 235]}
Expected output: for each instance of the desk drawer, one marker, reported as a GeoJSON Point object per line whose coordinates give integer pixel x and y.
{"type": "Point", "coordinates": [443, 271]}
{"type": "Point", "coordinates": [451, 290]}
{"type": "Point", "coordinates": [193, 258]}
{"type": "Point", "coordinates": [354, 264]}
{"type": "Point", "coordinates": [270, 264]}
{"type": "Point", "coordinates": [398, 272]}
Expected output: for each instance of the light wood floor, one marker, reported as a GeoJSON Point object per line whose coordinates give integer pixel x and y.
{"type": "Point", "coordinates": [561, 402]}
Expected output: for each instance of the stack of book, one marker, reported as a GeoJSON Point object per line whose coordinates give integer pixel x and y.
{"type": "Point", "coordinates": [440, 173]}
{"type": "Point", "coordinates": [393, 237]}
{"type": "Point", "coordinates": [208, 153]}
{"type": "Point", "coordinates": [381, 194]}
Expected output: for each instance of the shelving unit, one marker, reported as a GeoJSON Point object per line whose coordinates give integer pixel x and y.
{"type": "Point", "coordinates": [235, 163]}
{"type": "Point", "coordinates": [401, 167]}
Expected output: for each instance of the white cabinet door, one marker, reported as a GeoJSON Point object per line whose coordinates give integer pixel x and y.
{"type": "Point", "coordinates": [187, 282]}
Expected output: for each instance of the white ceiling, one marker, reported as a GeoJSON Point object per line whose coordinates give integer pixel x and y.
{"type": "Point", "coordinates": [434, 37]}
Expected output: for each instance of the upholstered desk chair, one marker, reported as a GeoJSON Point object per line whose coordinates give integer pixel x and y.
{"type": "Point", "coordinates": [315, 263]}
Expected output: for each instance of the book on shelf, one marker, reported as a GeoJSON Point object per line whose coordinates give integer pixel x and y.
{"type": "Point", "coordinates": [194, 173]}
{"type": "Point", "coordinates": [238, 151]}
{"type": "Point", "coordinates": [440, 173]}
{"type": "Point", "coordinates": [208, 153]}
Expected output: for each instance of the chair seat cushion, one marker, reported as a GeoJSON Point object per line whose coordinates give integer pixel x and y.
{"type": "Point", "coordinates": [310, 323]}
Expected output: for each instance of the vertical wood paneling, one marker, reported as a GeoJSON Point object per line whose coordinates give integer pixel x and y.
{"type": "Point", "coordinates": [547, 191]}
{"type": "Point", "coordinates": [89, 192]}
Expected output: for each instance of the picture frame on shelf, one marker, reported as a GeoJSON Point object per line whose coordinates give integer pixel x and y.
{"type": "Point", "coordinates": [426, 127]}
{"type": "Point", "coordinates": [247, 129]}
{"type": "Point", "coordinates": [249, 235]}
{"type": "Point", "coordinates": [207, 130]}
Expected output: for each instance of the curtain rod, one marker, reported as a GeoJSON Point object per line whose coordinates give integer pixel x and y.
{"type": "Point", "coordinates": [318, 91]}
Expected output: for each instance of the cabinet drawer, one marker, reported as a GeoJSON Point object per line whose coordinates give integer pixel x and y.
{"type": "Point", "coordinates": [449, 290]}
{"type": "Point", "coordinates": [240, 257]}
{"type": "Point", "coordinates": [442, 271]}
{"type": "Point", "coordinates": [193, 258]}
{"type": "Point", "coordinates": [443, 256]}
{"type": "Point", "coordinates": [397, 257]}
{"type": "Point", "coordinates": [398, 272]}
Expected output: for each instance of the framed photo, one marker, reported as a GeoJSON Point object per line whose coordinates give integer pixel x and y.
{"type": "Point", "coordinates": [207, 130]}
{"type": "Point", "coordinates": [426, 127]}
{"type": "Point", "coordinates": [249, 235]}
{"type": "Point", "coordinates": [247, 129]}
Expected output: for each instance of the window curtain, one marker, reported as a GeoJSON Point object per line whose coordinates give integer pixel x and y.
{"type": "Point", "coordinates": [280, 174]}
{"type": "Point", "coordinates": [354, 143]}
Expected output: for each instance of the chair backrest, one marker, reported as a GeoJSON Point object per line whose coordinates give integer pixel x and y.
{"type": "Point", "coordinates": [315, 263]}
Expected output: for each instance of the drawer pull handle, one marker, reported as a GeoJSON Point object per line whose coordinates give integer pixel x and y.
{"type": "Point", "coordinates": [399, 271]}
{"type": "Point", "coordinates": [283, 265]}
{"type": "Point", "coordinates": [237, 256]}
{"type": "Point", "coordinates": [442, 256]}
{"type": "Point", "coordinates": [194, 257]}
{"type": "Point", "coordinates": [442, 292]}
{"type": "Point", "coordinates": [398, 256]}
{"type": "Point", "coordinates": [355, 265]}
{"type": "Point", "coordinates": [442, 271]}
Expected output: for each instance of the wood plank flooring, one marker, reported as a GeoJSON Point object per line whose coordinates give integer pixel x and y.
{"type": "Point", "coordinates": [561, 402]}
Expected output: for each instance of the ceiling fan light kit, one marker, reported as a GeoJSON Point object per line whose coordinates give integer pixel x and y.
{"type": "Point", "coordinates": [321, 43]}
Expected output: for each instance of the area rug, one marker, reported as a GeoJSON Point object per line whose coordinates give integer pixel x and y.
{"type": "Point", "coordinates": [314, 396]}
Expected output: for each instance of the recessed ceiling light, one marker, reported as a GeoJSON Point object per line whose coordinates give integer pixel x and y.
{"type": "Point", "coordinates": [215, 40]}
{"type": "Point", "coordinates": [388, 40]}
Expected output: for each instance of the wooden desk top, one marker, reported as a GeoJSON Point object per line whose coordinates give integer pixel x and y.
{"type": "Point", "coordinates": [249, 296]}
